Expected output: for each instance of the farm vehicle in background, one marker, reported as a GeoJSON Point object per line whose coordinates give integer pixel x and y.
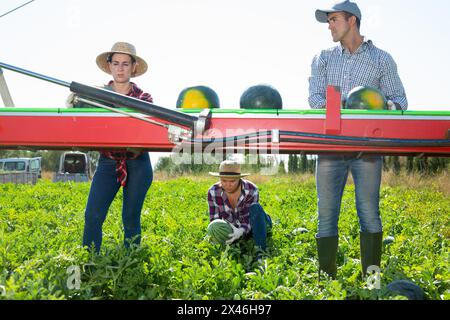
{"type": "Point", "coordinates": [73, 166]}
{"type": "Point", "coordinates": [20, 170]}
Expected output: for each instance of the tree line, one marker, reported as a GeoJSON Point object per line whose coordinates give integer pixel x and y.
{"type": "Point", "coordinates": [397, 164]}
{"type": "Point", "coordinates": [296, 163]}
{"type": "Point", "coordinates": [302, 163]}
{"type": "Point", "coordinates": [421, 165]}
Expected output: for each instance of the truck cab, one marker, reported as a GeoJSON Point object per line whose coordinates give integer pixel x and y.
{"type": "Point", "coordinates": [21, 165]}
{"type": "Point", "coordinates": [20, 170]}
{"type": "Point", "coordinates": [73, 166]}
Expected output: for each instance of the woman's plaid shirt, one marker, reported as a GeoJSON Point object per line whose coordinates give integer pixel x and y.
{"type": "Point", "coordinates": [121, 156]}
{"type": "Point", "coordinates": [220, 207]}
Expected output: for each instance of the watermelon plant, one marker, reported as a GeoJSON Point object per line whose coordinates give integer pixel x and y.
{"type": "Point", "coordinates": [41, 257]}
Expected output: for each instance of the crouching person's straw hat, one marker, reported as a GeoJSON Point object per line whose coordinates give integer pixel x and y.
{"type": "Point", "coordinates": [229, 169]}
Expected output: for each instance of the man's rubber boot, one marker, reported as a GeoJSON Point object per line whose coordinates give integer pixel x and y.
{"type": "Point", "coordinates": [370, 248]}
{"type": "Point", "coordinates": [327, 251]}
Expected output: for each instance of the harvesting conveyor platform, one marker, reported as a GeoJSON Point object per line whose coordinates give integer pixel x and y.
{"type": "Point", "coordinates": [140, 125]}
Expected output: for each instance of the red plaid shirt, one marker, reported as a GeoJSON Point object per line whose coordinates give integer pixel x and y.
{"type": "Point", "coordinates": [220, 207]}
{"type": "Point", "coordinates": [121, 156]}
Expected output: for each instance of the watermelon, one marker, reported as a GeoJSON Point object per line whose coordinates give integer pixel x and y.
{"type": "Point", "coordinates": [366, 98]}
{"type": "Point", "coordinates": [198, 97]}
{"type": "Point", "coordinates": [407, 289]}
{"type": "Point", "coordinates": [300, 231]}
{"type": "Point", "coordinates": [219, 231]}
{"type": "Point", "coordinates": [388, 240]}
{"type": "Point", "coordinates": [261, 97]}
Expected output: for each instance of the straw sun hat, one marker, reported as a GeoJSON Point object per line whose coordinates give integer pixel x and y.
{"type": "Point", "coordinates": [229, 169]}
{"type": "Point", "coordinates": [122, 47]}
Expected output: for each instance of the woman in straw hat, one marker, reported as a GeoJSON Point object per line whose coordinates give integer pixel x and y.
{"type": "Point", "coordinates": [236, 201]}
{"type": "Point", "coordinates": [131, 170]}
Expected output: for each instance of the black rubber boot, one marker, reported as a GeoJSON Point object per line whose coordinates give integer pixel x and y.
{"type": "Point", "coordinates": [327, 251]}
{"type": "Point", "coordinates": [370, 248]}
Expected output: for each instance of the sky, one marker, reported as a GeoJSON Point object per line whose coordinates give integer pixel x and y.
{"type": "Point", "coordinates": [226, 45]}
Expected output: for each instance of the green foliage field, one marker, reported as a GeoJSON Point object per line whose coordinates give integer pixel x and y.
{"type": "Point", "coordinates": [41, 230]}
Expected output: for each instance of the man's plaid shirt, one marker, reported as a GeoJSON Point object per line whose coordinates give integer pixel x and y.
{"type": "Point", "coordinates": [368, 66]}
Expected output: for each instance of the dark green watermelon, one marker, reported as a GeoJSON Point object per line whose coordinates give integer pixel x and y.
{"type": "Point", "coordinates": [198, 97]}
{"type": "Point", "coordinates": [406, 288]}
{"type": "Point", "coordinates": [388, 240]}
{"type": "Point", "coordinates": [300, 231]}
{"type": "Point", "coordinates": [366, 98]}
{"type": "Point", "coordinates": [261, 97]}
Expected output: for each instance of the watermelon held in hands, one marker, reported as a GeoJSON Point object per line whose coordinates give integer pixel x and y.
{"type": "Point", "coordinates": [198, 97]}
{"type": "Point", "coordinates": [366, 98]}
{"type": "Point", "coordinates": [219, 231]}
{"type": "Point", "coordinates": [261, 97]}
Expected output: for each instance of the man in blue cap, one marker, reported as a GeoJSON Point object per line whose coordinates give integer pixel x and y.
{"type": "Point", "coordinates": [354, 62]}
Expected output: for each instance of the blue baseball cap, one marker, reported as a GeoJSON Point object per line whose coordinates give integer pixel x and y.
{"type": "Point", "coordinates": [347, 6]}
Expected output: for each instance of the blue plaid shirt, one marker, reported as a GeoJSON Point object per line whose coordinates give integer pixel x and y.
{"type": "Point", "coordinates": [368, 66]}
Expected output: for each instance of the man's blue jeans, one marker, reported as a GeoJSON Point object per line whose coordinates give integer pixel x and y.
{"type": "Point", "coordinates": [103, 190]}
{"type": "Point", "coordinates": [260, 223]}
{"type": "Point", "coordinates": [331, 177]}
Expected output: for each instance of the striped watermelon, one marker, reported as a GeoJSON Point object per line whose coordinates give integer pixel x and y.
{"type": "Point", "coordinates": [198, 97]}
{"type": "Point", "coordinates": [261, 96]}
{"type": "Point", "coordinates": [219, 231]}
{"type": "Point", "coordinates": [406, 288]}
{"type": "Point", "coordinates": [365, 97]}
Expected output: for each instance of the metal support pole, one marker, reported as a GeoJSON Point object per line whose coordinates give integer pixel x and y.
{"type": "Point", "coordinates": [99, 105]}
{"type": "Point", "coordinates": [198, 124]}
{"type": "Point", "coordinates": [107, 96]}
{"type": "Point", "coordinates": [176, 134]}
{"type": "Point", "coordinates": [4, 91]}
{"type": "Point", "coordinates": [35, 75]}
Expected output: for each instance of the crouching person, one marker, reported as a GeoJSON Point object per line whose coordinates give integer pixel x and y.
{"type": "Point", "coordinates": [236, 201]}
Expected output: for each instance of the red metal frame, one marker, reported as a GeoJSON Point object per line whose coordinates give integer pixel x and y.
{"type": "Point", "coordinates": [96, 131]}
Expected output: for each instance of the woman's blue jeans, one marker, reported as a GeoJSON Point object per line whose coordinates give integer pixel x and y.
{"type": "Point", "coordinates": [103, 190]}
{"type": "Point", "coordinates": [260, 223]}
{"type": "Point", "coordinates": [331, 177]}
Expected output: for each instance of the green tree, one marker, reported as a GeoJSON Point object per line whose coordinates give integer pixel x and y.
{"type": "Point", "coordinates": [386, 163]}
{"type": "Point", "coordinates": [312, 164]}
{"type": "Point", "coordinates": [303, 163]}
{"type": "Point", "coordinates": [294, 163]}
{"type": "Point", "coordinates": [281, 168]}
{"type": "Point", "coordinates": [421, 165]}
{"type": "Point", "coordinates": [290, 163]}
{"type": "Point", "coordinates": [409, 165]}
{"type": "Point", "coordinates": [396, 165]}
